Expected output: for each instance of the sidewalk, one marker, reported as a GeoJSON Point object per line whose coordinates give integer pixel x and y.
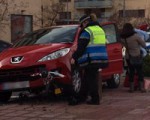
{"type": "Point", "coordinates": [116, 104]}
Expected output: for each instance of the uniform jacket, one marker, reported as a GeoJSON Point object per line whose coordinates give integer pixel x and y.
{"type": "Point", "coordinates": [83, 41]}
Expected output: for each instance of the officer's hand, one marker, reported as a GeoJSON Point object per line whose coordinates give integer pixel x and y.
{"type": "Point", "coordinates": [72, 61]}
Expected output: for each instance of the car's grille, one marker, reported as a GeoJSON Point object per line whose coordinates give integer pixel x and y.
{"type": "Point", "coordinates": [21, 74]}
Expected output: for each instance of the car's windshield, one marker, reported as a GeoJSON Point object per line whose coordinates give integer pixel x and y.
{"type": "Point", "coordinates": [52, 35]}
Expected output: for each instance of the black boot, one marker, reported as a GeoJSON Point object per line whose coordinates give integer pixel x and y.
{"type": "Point", "coordinates": [73, 101]}
{"type": "Point", "coordinates": [141, 87]}
{"type": "Point", "coordinates": [94, 100]}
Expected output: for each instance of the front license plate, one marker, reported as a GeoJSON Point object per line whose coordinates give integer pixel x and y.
{"type": "Point", "coordinates": [57, 91]}
{"type": "Point", "coordinates": [15, 85]}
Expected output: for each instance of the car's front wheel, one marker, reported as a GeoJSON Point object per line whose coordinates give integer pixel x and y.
{"type": "Point", "coordinates": [114, 82]}
{"type": "Point", "coordinates": [76, 81]}
{"type": "Point", "coordinates": [76, 88]}
{"type": "Point", "coordinates": [5, 96]}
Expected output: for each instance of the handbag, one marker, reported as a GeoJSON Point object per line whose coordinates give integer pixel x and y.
{"type": "Point", "coordinates": [134, 60]}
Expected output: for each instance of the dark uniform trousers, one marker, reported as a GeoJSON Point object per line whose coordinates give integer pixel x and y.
{"type": "Point", "coordinates": [90, 82]}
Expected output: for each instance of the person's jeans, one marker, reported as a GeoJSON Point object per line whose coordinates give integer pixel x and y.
{"type": "Point", "coordinates": [135, 70]}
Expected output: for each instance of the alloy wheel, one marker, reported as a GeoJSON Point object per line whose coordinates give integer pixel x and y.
{"type": "Point", "coordinates": [76, 81]}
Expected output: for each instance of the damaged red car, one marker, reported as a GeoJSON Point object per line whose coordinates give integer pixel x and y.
{"type": "Point", "coordinates": [40, 60]}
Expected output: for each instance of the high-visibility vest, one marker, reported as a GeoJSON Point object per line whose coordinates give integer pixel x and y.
{"type": "Point", "coordinates": [96, 50]}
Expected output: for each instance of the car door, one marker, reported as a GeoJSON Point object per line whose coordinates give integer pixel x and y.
{"type": "Point", "coordinates": [114, 49]}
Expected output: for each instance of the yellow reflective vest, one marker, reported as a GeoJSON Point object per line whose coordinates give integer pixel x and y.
{"type": "Point", "coordinates": [96, 52]}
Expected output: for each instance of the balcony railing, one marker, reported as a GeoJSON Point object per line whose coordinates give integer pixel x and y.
{"type": "Point", "coordinates": [103, 15]}
{"type": "Point", "coordinates": [81, 4]}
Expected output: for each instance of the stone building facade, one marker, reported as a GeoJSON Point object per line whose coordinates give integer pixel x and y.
{"type": "Point", "coordinates": [35, 14]}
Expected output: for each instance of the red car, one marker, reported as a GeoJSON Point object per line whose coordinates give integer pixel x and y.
{"type": "Point", "coordinates": [41, 61]}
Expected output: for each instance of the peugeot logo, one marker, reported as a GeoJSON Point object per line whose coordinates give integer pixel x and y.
{"type": "Point", "coordinates": [17, 59]}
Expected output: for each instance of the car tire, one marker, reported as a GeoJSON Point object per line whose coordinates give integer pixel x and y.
{"type": "Point", "coordinates": [76, 81]}
{"type": "Point", "coordinates": [114, 82]}
{"type": "Point", "coordinates": [76, 87]}
{"type": "Point", "coordinates": [5, 96]}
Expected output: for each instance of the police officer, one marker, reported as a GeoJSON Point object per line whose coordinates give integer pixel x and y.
{"type": "Point", "coordinates": [89, 56]}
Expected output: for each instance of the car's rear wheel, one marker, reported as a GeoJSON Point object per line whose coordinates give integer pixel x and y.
{"type": "Point", "coordinates": [5, 96]}
{"type": "Point", "coordinates": [114, 82]}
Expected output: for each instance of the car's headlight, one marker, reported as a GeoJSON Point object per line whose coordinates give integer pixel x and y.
{"type": "Point", "coordinates": [55, 55]}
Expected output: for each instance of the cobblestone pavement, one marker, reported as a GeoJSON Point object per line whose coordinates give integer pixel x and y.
{"type": "Point", "coordinates": [116, 104]}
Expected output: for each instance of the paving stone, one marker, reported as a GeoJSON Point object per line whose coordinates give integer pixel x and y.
{"type": "Point", "coordinates": [18, 118]}
{"type": "Point", "coordinates": [138, 111]}
{"type": "Point", "coordinates": [117, 104]}
{"type": "Point", "coordinates": [31, 114]}
{"type": "Point", "coordinates": [5, 118]}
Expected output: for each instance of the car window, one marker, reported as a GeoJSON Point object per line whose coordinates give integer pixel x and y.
{"type": "Point", "coordinates": [30, 38]}
{"type": "Point", "coordinates": [4, 45]}
{"type": "Point", "coordinates": [53, 35]}
{"type": "Point", "coordinates": [64, 34]}
{"type": "Point", "coordinates": [110, 32]}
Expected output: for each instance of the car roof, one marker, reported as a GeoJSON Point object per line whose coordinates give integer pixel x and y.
{"type": "Point", "coordinates": [46, 28]}
{"type": "Point", "coordinates": [103, 23]}
{"type": "Point", "coordinates": [66, 25]}
{"type": "Point", "coordinates": [63, 25]}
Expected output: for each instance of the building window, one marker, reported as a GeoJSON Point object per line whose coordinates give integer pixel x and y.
{"type": "Point", "coordinates": [99, 12]}
{"type": "Point", "coordinates": [65, 15]}
{"type": "Point", "coordinates": [132, 13]}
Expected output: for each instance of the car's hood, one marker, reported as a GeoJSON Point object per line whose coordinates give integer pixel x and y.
{"type": "Point", "coordinates": [29, 54]}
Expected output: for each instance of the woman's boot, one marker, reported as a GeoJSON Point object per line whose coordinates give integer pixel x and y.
{"type": "Point", "coordinates": [141, 87]}
{"type": "Point", "coordinates": [131, 90]}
